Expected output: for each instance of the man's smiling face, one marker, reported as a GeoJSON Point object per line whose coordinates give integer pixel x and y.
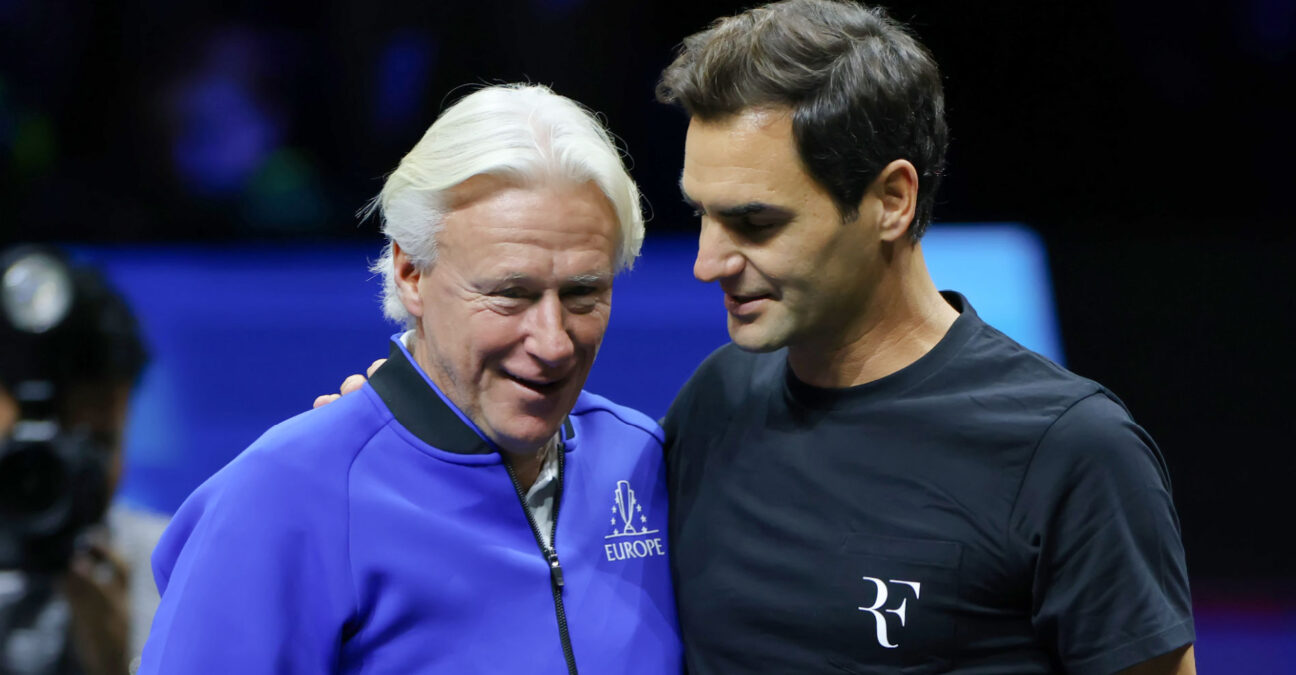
{"type": "Point", "coordinates": [513, 309]}
{"type": "Point", "coordinates": [792, 272]}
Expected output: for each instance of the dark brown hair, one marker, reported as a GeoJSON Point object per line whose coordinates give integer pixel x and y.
{"type": "Point", "coordinates": [863, 92]}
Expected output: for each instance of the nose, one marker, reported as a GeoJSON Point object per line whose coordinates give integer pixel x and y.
{"type": "Point", "coordinates": [547, 337]}
{"type": "Point", "coordinates": [717, 257]}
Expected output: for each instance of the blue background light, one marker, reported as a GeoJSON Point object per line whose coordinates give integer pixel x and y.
{"type": "Point", "coordinates": [244, 337]}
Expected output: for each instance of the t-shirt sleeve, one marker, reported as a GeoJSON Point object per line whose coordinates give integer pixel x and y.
{"type": "Point", "coordinates": [1095, 515]}
{"type": "Point", "coordinates": [703, 403]}
{"type": "Point", "coordinates": [671, 423]}
{"type": "Point", "coordinates": [686, 400]}
{"type": "Point", "coordinates": [253, 575]}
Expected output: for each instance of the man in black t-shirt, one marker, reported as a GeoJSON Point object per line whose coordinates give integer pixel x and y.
{"type": "Point", "coordinates": [870, 478]}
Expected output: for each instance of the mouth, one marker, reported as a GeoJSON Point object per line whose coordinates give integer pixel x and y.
{"type": "Point", "coordinates": [746, 304]}
{"type": "Point", "coordinates": [541, 386]}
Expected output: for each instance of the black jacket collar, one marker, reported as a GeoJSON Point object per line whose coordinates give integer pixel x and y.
{"type": "Point", "coordinates": [421, 410]}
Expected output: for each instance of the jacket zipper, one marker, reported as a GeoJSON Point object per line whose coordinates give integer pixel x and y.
{"type": "Point", "coordinates": [550, 554]}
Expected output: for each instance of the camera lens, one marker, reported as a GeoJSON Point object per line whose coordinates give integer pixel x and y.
{"type": "Point", "coordinates": [32, 478]}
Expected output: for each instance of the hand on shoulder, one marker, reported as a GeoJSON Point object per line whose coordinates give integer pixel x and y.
{"type": "Point", "coordinates": [352, 383]}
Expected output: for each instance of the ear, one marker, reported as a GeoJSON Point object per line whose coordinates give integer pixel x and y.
{"type": "Point", "coordinates": [896, 187]}
{"type": "Point", "coordinates": [407, 276]}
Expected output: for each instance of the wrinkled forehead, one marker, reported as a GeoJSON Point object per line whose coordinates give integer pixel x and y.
{"type": "Point", "coordinates": [565, 220]}
{"type": "Point", "coordinates": [484, 185]}
{"type": "Point", "coordinates": [481, 186]}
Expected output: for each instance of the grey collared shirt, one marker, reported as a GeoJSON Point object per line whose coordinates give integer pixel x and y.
{"type": "Point", "coordinates": [541, 497]}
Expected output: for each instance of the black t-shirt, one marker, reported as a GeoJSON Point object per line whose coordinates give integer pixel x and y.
{"type": "Point", "coordinates": [980, 511]}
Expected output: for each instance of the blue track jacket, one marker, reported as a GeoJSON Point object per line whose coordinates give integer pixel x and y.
{"type": "Point", "coordinates": [383, 534]}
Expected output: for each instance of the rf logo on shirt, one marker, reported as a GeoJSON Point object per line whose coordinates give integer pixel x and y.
{"type": "Point", "coordinates": [878, 607]}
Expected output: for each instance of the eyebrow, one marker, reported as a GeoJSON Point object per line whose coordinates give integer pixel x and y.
{"type": "Point", "coordinates": [738, 210]}
{"type": "Point", "coordinates": [575, 279]}
{"type": "Point", "coordinates": [589, 279]}
{"type": "Point", "coordinates": [751, 209]}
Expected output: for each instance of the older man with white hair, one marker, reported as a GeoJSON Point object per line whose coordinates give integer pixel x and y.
{"type": "Point", "coordinates": [416, 528]}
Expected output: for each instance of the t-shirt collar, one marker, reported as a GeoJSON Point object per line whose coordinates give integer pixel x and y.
{"type": "Point", "coordinates": [949, 345]}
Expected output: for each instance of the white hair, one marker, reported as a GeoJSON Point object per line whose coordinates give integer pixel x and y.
{"type": "Point", "coordinates": [522, 133]}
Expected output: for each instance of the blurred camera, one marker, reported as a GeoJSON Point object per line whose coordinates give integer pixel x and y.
{"type": "Point", "coordinates": [53, 479]}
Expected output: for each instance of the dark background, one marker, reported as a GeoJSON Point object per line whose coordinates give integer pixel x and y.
{"type": "Point", "coordinates": [1149, 143]}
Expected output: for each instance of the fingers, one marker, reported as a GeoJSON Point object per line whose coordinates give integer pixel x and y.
{"type": "Point", "coordinates": [86, 577]}
{"type": "Point", "coordinates": [109, 562]}
{"type": "Point", "coordinates": [95, 586]}
{"type": "Point", "coordinates": [98, 567]}
{"type": "Point", "coordinates": [352, 383]}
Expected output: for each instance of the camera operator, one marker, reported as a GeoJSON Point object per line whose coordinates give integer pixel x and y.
{"type": "Point", "coordinates": [70, 354]}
